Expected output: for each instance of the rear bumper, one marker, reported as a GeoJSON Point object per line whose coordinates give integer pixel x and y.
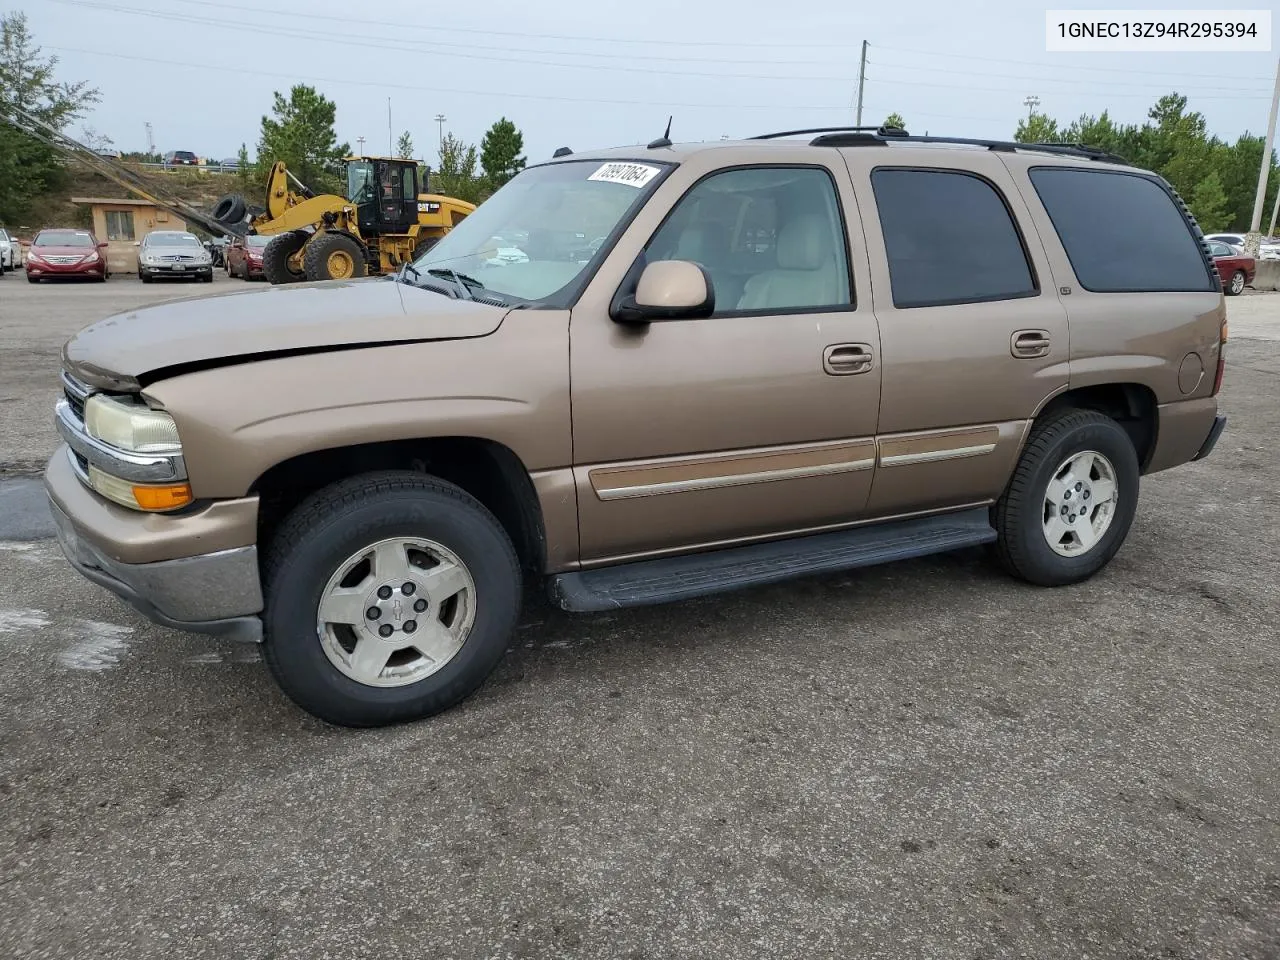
{"type": "Point", "coordinates": [218, 592]}
{"type": "Point", "coordinates": [1211, 441]}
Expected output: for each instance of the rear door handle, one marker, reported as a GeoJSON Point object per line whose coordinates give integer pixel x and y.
{"type": "Point", "coordinates": [843, 359]}
{"type": "Point", "coordinates": [1028, 344]}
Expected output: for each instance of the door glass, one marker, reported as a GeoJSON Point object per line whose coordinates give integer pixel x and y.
{"type": "Point", "coordinates": [949, 239]}
{"type": "Point", "coordinates": [770, 238]}
{"type": "Point", "coordinates": [407, 192]}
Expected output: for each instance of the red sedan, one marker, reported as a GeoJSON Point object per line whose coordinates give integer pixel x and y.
{"type": "Point", "coordinates": [244, 256]}
{"type": "Point", "coordinates": [66, 253]}
{"type": "Point", "coordinates": [1236, 269]}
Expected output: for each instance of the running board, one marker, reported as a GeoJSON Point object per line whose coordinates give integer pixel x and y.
{"type": "Point", "coordinates": [700, 574]}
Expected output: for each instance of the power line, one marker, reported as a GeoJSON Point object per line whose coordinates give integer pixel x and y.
{"type": "Point", "coordinates": [1062, 93]}
{"type": "Point", "coordinates": [1072, 67]}
{"type": "Point", "coordinates": [1109, 84]}
{"type": "Point", "coordinates": [400, 25]}
{"type": "Point", "coordinates": [384, 44]}
{"type": "Point", "coordinates": [390, 84]}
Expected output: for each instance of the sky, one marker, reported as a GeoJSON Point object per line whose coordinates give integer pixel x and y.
{"type": "Point", "coordinates": [595, 73]}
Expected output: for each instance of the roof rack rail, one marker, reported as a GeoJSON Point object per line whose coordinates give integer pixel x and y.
{"type": "Point", "coordinates": [879, 130]}
{"type": "Point", "coordinates": [857, 137]}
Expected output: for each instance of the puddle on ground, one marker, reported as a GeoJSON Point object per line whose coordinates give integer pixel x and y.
{"type": "Point", "coordinates": [99, 645]}
{"type": "Point", "coordinates": [17, 621]}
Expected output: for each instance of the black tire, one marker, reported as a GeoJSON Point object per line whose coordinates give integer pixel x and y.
{"type": "Point", "coordinates": [1019, 514]}
{"type": "Point", "coordinates": [1235, 286]}
{"type": "Point", "coordinates": [31, 279]}
{"type": "Point", "coordinates": [230, 209]}
{"type": "Point", "coordinates": [336, 523]}
{"type": "Point", "coordinates": [144, 278]}
{"type": "Point", "coordinates": [276, 254]}
{"type": "Point", "coordinates": [321, 250]}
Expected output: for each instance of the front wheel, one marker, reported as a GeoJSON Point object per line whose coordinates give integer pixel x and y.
{"type": "Point", "coordinates": [1071, 501]}
{"type": "Point", "coordinates": [276, 255]}
{"type": "Point", "coordinates": [1236, 286]}
{"type": "Point", "coordinates": [389, 597]}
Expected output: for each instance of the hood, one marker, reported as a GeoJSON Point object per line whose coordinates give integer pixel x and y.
{"type": "Point", "coordinates": [140, 346]}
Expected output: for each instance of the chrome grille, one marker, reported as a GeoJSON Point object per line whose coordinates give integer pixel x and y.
{"type": "Point", "coordinates": [76, 393]}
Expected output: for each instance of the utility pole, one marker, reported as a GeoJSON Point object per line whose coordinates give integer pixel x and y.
{"type": "Point", "coordinates": [151, 139]}
{"type": "Point", "coordinates": [440, 119]}
{"type": "Point", "coordinates": [1251, 240]}
{"type": "Point", "coordinates": [1031, 103]}
{"type": "Point", "coordinates": [360, 142]}
{"type": "Point", "coordinates": [862, 82]}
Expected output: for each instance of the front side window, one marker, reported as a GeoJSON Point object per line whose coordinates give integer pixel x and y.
{"type": "Point", "coordinates": [360, 182]}
{"type": "Point", "coordinates": [1122, 233]}
{"type": "Point", "coordinates": [770, 238]}
{"type": "Point", "coordinates": [949, 239]}
{"type": "Point", "coordinates": [533, 239]}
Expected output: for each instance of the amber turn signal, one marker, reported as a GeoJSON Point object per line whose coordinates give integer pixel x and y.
{"type": "Point", "coordinates": [168, 497]}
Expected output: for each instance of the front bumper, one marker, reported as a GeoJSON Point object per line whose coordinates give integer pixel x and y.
{"type": "Point", "coordinates": [65, 270]}
{"type": "Point", "coordinates": [183, 270]}
{"type": "Point", "coordinates": [217, 592]}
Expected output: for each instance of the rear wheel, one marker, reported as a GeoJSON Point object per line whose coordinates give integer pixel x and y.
{"type": "Point", "coordinates": [389, 597]}
{"type": "Point", "coordinates": [1236, 286]}
{"type": "Point", "coordinates": [276, 254]}
{"type": "Point", "coordinates": [1071, 501]}
{"type": "Point", "coordinates": [334, 256]}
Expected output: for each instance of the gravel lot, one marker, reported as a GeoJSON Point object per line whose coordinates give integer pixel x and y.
{"type": "Point", "coordinates": [918, 761]}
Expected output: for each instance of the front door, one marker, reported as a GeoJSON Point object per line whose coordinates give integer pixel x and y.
{"type": "Point", "coordinates": [974, 339]}
{"type": "Point", "coordinates": [757, 421]}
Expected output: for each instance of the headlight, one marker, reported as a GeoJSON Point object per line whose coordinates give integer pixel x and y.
{"type": "Point", "coordinates": [131, 426]}
{"type": "Point", "coordinates": [91, 258]}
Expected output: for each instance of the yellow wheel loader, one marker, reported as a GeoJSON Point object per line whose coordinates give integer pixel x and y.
{"type": "Point", "coordinates": [382, 222]}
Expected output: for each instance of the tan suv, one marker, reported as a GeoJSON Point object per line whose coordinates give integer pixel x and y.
{"type": "Point", "coordinates": [643, 375]}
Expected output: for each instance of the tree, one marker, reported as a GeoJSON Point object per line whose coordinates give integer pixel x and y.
{"type": "Point", "coordinates": [1217, 178]}
{"type": "Point", "coordinates": [1038, 129]}
{"type": "Point", "coordinates": [895, 120]}
{"type": "Point", "coordinates": [500, 153]}
{"type": "Point", "coordinates": [1209, 204]}
{"type": "Point", "coordinates": [301, 134]}
{"type": "Point", "coordinates": [404, 146]}
{"type": "Point", "coordinates": [94, 140]}
{"type": "Point", "coordinates": [29, 168]}
{"type": "Point", "coordinates": [456, 176]}
{"type": "Point", "coordinates": [244, 171]}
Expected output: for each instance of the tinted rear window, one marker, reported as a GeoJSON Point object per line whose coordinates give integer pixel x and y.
{"type": "Point", "coordinates": [1123, 233]}
{"type": "Point", "coordinates": [949, 238]}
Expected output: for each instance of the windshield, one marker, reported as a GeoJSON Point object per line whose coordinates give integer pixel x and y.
{"type": "Point", "coordinates": [49, 238]}
{"type": "Point", "coordinates": [534, 237]}
{"type": "Point", "coordinates": [360, 182]}
{"type": "Point", "coordinates": [171, 240]}
{"type": "Point", "coordinates": [256, 241]}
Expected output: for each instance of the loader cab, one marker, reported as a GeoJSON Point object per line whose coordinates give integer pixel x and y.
{"type": "Point", "coordinates": [385, 193]}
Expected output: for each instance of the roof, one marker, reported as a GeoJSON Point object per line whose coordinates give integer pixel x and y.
{"type": "Point", "coordinates": [846, 138]}
{"type": "Point", "coordinates": [114, 202]}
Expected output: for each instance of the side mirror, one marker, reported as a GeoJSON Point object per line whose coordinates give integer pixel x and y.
{"type": "Point", "coordinates": [102, 246]}
{"type": "Point", "coordinates": [668, 290]}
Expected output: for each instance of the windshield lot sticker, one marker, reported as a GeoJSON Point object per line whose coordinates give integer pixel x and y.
{"type": "Point", "coordinates": [632, 174]}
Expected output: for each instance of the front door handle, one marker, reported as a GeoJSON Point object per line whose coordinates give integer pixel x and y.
{"type": "Point", "coordinates": [843, 359]}
{"type": "Point", "coordinates": [1028, 344]}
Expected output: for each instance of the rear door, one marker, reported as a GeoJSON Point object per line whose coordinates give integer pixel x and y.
{"type": "Point", "coordinates": [973, 336]}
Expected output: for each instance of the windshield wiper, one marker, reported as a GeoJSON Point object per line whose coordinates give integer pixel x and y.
{"type": "Point", "coordinates": [463, 282]}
